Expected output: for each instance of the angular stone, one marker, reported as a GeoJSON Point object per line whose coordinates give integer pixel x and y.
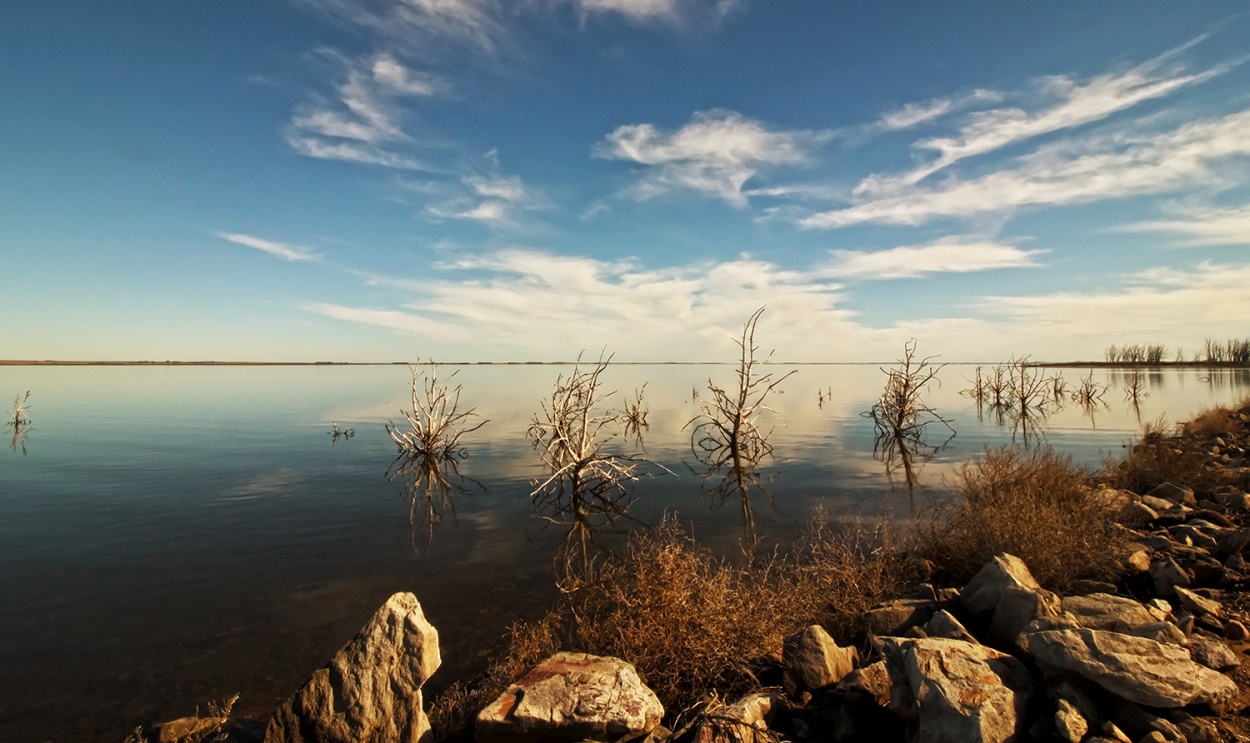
{"type": "Point", "coordinates": [572, 697]}
{"type": "Point", "coordinates": [896, 617]}
{"type": "Point", "coordinates": [1164, 632]}
{"type": "Point", "coordinates": [1016, 608]}
{"type": "Point", "coordinates": [1133, 668]}
{"type": "Point", "coordinates": [1104, 611]}
{"type": "Point", "coordinates": [1236, 631]}
{"type": "Point", "coordinates": [981, 594]}
{"type": "Point", "coordinates": [955, 692]}
{"type": "Point", "coordinates": [1070, 724]}
{"type": "Point", "coordinates": [744, 721]}
{"type": "Point", "coordinates": [1136, 514]}
{"type": "Point", "coordinates": [1231, 543]}
{"type": "Point", "coordinates": [1193, 536]}
{"type": "Point", "coordinates": [1212, 653]}
{"type": "Point", "coordinates": [1174, 493]}
{"type": "Point", "coordinates": [371, 688]}
{"type": "Point", "coordinates": [812, 660]}
{"type": "Point", "coordinates": [1159, 505]}
{"type": "Point", "coordinates": [872, 681]}
{"type": "Point", "coordinates": [1167, 575]}
{"type": "Point", "coordinates": [1137, 561]}
{"type": "Point", "coordinates": [1199, 605]}
{"type": "Point", "coordinates": [944, 624]}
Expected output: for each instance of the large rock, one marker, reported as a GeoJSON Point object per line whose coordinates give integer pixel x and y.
{"type": "Point", "coordinates": [1167, 574]}
{"type": "Point", "coordinates": [1016, 609]}
{"type": "Point", "coordinates": [1173, 493]}
{"type": "Point", "coordinates": [893, 618]}
{"type": "Point", "coordinates": [1104, 611]}
{"type": "Point", "coordinates": [951, 691]}
{"type": "Point", "coordinates": [1133, 668]}
{"type": "Point", "coordinates": [371, 688]}
{"type": "Point", "coordinates": [812, 660]}
{"type": "Point", "coordinates": [572, 697]}
{"type": "Point", "coordinates": [981, 594]}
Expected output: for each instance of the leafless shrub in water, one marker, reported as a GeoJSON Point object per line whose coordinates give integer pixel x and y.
{"type": "Point", "coordinates": [728, 431]}
{"type": "Point", "coordinates": [19, 419]}
{"type": "Point", "coordinates": [1088, 392]}
{"type": "Point", "coordinates": [588, 485]}
{"type": "Point", "coordinates": [337, 433]}
{"type": "Point", "coordinates": [435, 423]}
{"type": "Point", "coordinates": [901, 416]}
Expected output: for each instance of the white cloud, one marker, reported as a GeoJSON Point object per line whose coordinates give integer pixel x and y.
{"type": "Point", "coordinates": [425, 26]}
{"type": "Point", "coordinates": [1080, 171]}
{"type": "Point", "coordinates": [914, 114]}
{"type": "Point", "coordinates": [715, 154]}
{"type": "Point", "coordinates": [1203, 225]}
{"type": "Point", "coordinates": [364, 121]}
{"type": "Point", "coordinates": [950, 255]}
{"type": "Point", "coordinates": [286, 251]}
{"type": "Point", "coordinates": [489, 198]}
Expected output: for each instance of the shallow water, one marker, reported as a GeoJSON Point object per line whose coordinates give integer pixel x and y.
{"type": "Point", "coordinates": [173, 535]}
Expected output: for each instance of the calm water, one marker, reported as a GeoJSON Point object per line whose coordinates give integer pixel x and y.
{"type": "Point", "coordinates": [173, 535]}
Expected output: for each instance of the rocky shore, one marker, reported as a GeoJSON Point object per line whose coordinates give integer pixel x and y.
{"type": "Point", "coordinates": [1156, 655]}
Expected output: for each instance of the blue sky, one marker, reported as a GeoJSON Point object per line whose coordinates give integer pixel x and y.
{"type": "Point", "coordinates": [367, 180]}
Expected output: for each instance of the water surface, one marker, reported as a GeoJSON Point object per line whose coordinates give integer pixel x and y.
{"type": "Point", "coordinates": [174, 535]}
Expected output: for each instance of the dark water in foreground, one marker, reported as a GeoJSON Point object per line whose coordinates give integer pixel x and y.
{"type": "Point", "coordinates": [174, 535]}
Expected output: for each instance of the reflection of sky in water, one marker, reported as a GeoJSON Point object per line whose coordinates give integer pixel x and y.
{"type": "Point", "coordinates": [193, 515]}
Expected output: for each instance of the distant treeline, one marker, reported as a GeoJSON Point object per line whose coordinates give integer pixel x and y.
{"type": "Point", "coordinates": [1232, 351]}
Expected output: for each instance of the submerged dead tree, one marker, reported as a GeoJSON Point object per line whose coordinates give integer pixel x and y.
{"type": "Point", "coordinates": [901, 416]}
{"type": "Point", "coordinates": [588, 486]}
{"type": "Point", "coordinates": [430, 449]}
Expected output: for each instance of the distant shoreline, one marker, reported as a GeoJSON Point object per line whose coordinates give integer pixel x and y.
{"type": "Point", "coordinates": [1052, 364]}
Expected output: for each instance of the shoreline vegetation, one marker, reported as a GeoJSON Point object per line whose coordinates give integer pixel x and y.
{"type": "Point", "coordinates": [1045, 364]}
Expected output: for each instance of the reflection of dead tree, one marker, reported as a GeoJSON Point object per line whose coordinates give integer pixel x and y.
{"type": "Point", "coordinates": [430, 484]}
{"type": "Point", "coordinates": [634, 416]}
{"type": "Point", "coordinates": [728, 429]}
{"type": "Point", "coordinates": [1135, 389]}
{"type": "Point", "coordinates": [588, 486]}
{"type": "Point", "coordinates": [901, 416]}
{"type": "Point", "coordinates": [430, 449]}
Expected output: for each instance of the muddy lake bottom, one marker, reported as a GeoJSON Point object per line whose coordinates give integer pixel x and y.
{"type": "Point", "coordinates": [171, 536]}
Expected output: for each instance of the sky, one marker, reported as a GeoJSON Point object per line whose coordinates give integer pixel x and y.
{"type": "Point", "coordinates": [514, 180]}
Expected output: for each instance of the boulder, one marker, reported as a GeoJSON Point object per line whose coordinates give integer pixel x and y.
{"type": "Point", "coordinates": [1212, 653]}
{"type": "Point", "coordinates": [1231, 543]}
{"type": "Point", "coordinates": [1160, 505]}
{"type": "Point", "coordinates": [895, 617]}
{"type": "Point", "coordinates": [1174, 493]}
{"type": "Point", "coordinates": [1016, 608]}
{"type": "Point", "coordinates": [1134, 668]}
{"type": "Point", "coordinates": [1167, 575]}
{"type": "Point", "coordinates": [1199, 605]}
{"type": "Point", "coordinates": [1070, 724]}
{"type": "Point", "coordinates": [944, 624]}
{"type": "Point", "coordinates": [572, 697]}
{"type": "Point", "coordinates": [951, 691]}
{"type": "Point", "coordinates": [812, 660]}
{"type": "Point", "coordinates": [981, 594]}
{"type": "Point", "coordinates": [744, 721]}
{"type": "Point", "coordinates": [1136, 514]}
{"type": "Point", "coordinates": [1236, 631]}
{"type": "Point", "coordinates": [1105, 611]}
{"type": "Point", "coordinates": [871, 682]}
{"type": "Point", "coordinates": [371, 689]}
{"type": "Point", "coordinates": [1165, 632]}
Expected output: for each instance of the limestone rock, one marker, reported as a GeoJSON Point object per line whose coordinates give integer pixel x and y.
{"type": "Point", "coordinates": [981, 594]}
{"type": "Point", "coordinates": [1016, 608]}
{"type": "Point", "coordinates": [944, 624]}
{"type": "Point", "coordinates": [1070, 724]}
{"type": "Point", "coordinates": [1167, 575]}
{"type": "Point", "coordinates": [1199, 605]}
{"type": "Point", "coordinates": [812, 660]}
{"type": "Point", "coordinates": [572, 697]}
{"type": "Point", "coordinates": [1133, 668]}
{"type": "Point", "coordinates": [1212, 653]}
{"type": "Point", "coordinates": [1104, 611]}
{"type": "Point", "coordinates": [1164, 632]}
{"type": "Point", "coordinates": [744, 721]}
{"type": "Point", "coordinates": [956, 692]}
{"type": "Point", "coordinates": [1174, 493]}
{"type": "Point", "coordinates": [1236, 631]}
{"type": "Point", "coordinates": [872, 681]}
{"type": "Point", "coordinates": [1136, 514]}
{"type": "Point", "coordinates": [895, 617]}
{"type": "Point", "coordinates": [371, 689]}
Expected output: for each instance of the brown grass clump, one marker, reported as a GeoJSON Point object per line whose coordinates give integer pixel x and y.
{"type": "Point", "coordinates": [694, 625]}
{"type": "Point", "coordinates": [1034, 504]}
{"type": "Point", "coordinates": [1180, 455]}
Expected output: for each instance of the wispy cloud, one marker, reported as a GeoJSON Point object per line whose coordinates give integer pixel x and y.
{"type": "Point", "coordinates": [1070, 104]}
{"type": "Point", "coordinates": [426, 26]}
{"type": "Point", "coordinates": [1117, 165]}
{"type": "Point", "coordinates": [714, 155]}
{"type": "Point", "coordinates": [1202, 225]}
{"type": "Point", "coordinates": [482, 195]}
{"type": "Point", "coordinates": [285, 251]}
{"type": "Point", "coordinates": [949, 255]}
{"type": "Point", "coordinates": [363, 121]}
{"type": "Point", "coordinates": [922, 112]}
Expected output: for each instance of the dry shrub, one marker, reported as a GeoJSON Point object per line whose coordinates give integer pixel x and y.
{"type": "Point", "coordinates": [1034, 504]}
{"type": "Point", "coordinates": [1180, 456]}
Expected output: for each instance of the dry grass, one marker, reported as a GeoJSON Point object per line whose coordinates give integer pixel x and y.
{"type": "Point", "coordinates": [1179, 454]}
{"type": "Point", "coordinates": [1034, 504]}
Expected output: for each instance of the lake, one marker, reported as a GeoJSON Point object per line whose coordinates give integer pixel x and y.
{"type": "Point", "coordinates": [172, 535]}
